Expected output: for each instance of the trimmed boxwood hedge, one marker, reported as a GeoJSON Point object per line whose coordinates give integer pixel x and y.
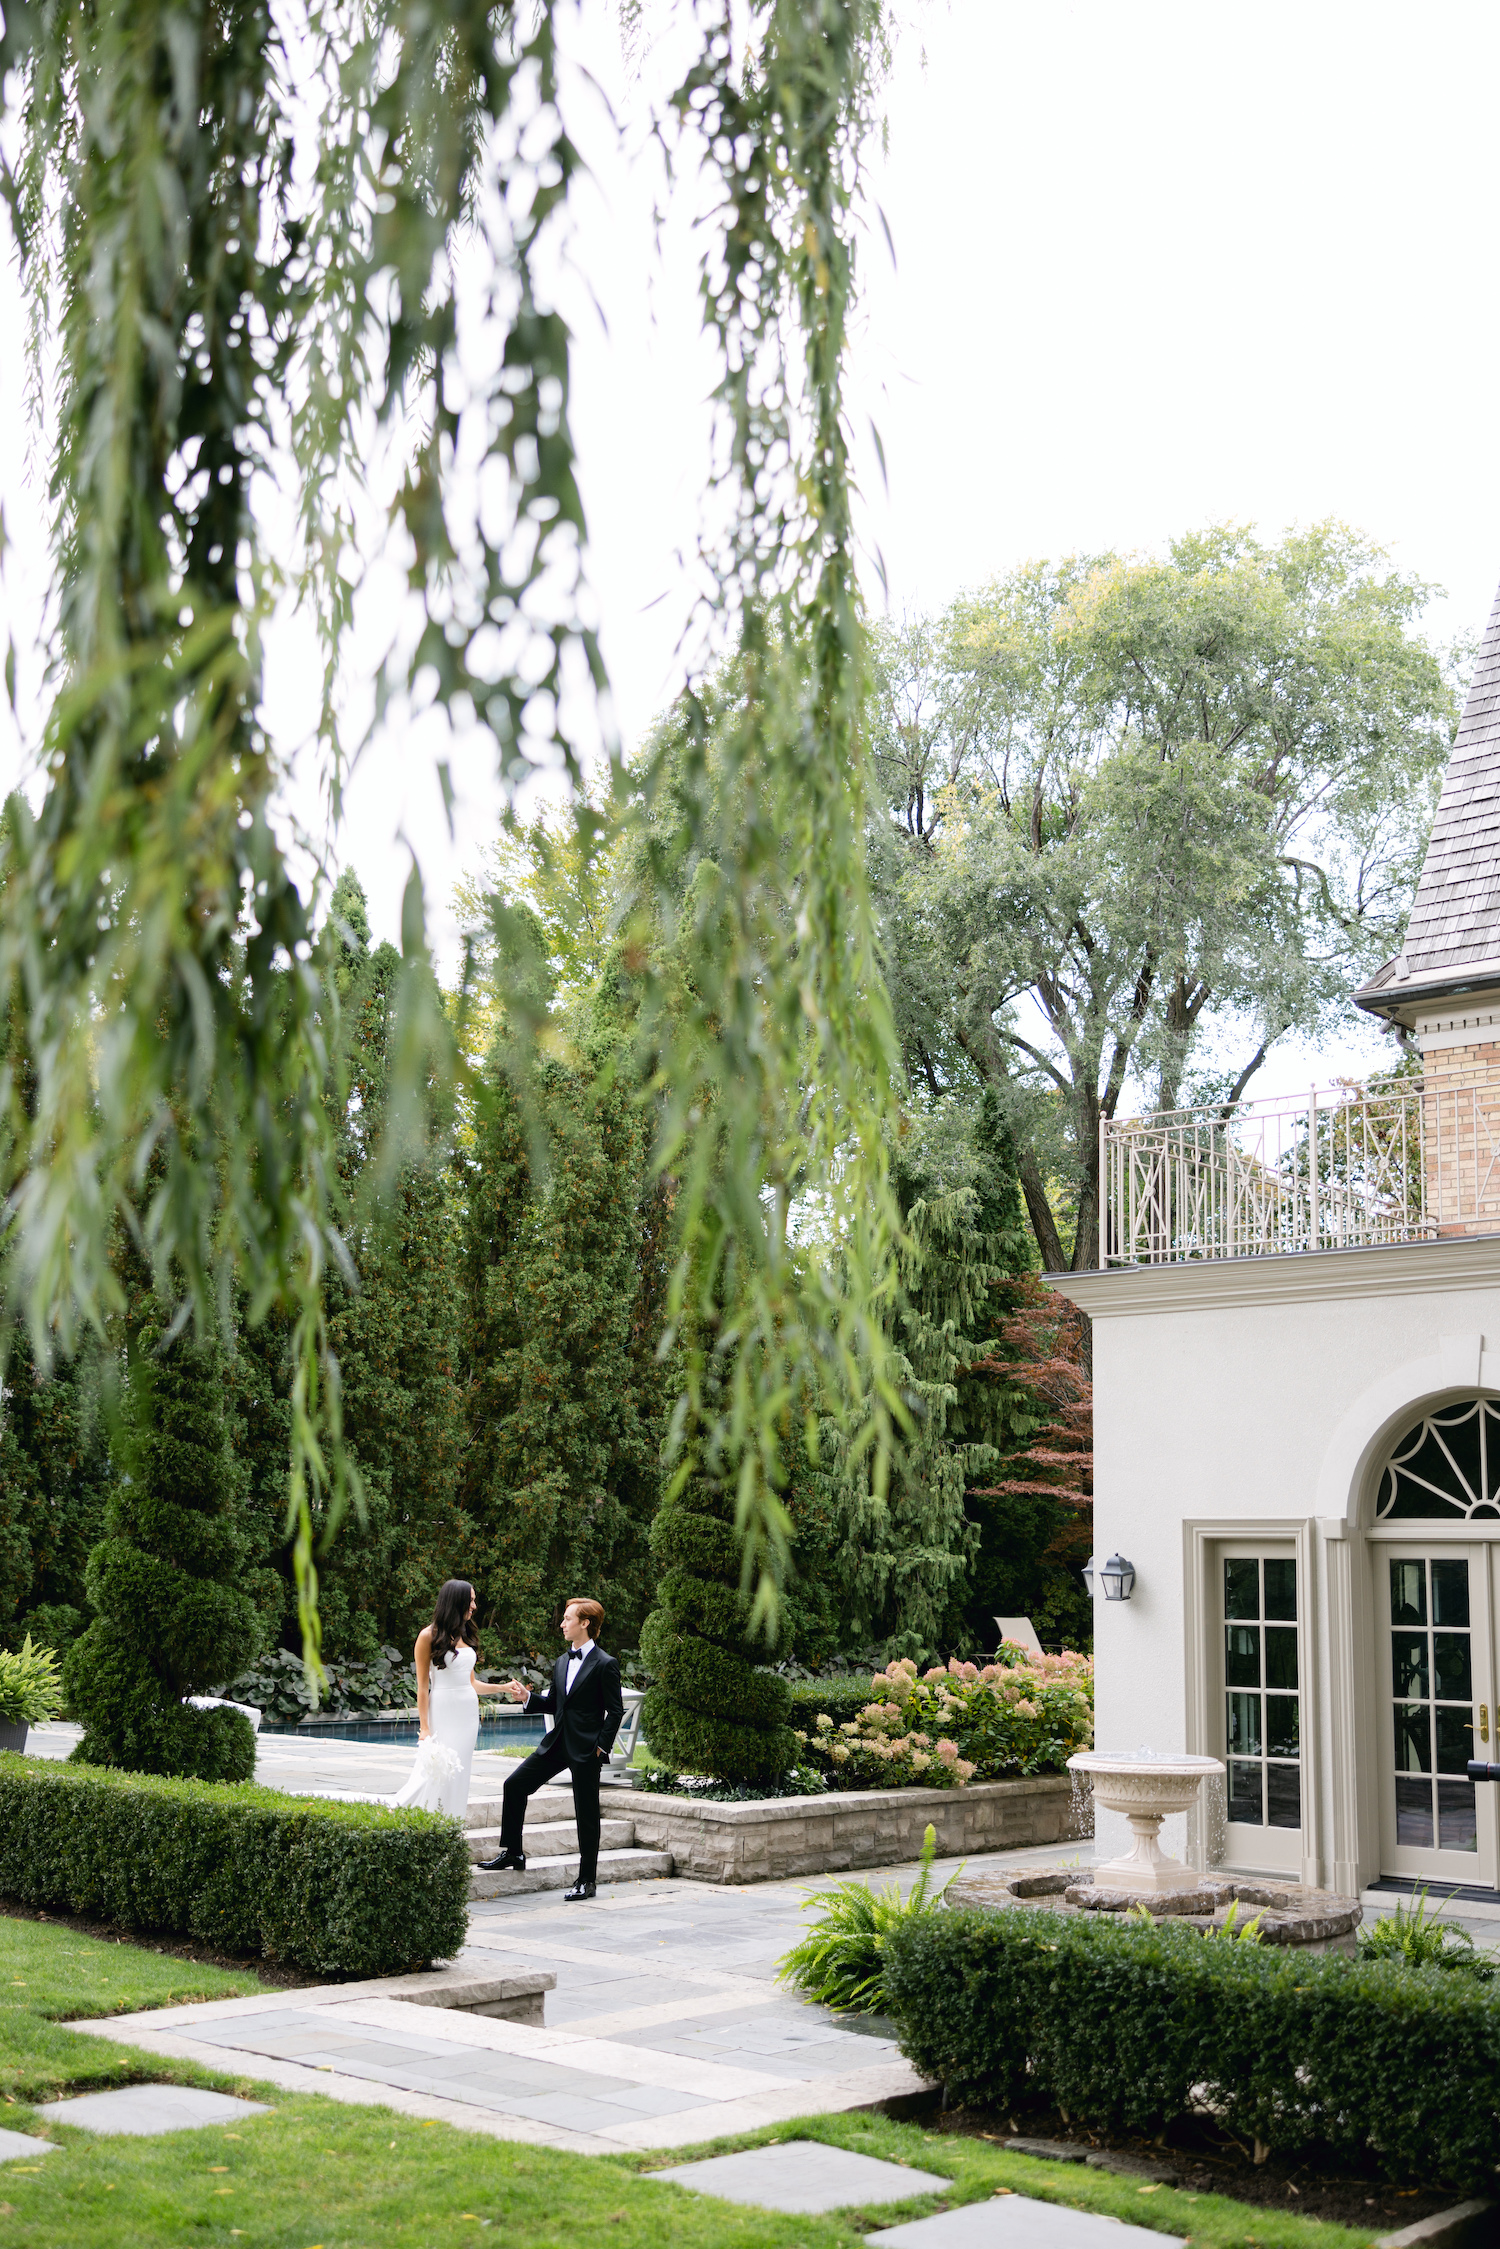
{"type": "Point", "coordinates": [841, 1698]}
{"type": "Point", "coordinates": [338, 1889]}
{"type": "Point", "coordinates": [1131, 2026]}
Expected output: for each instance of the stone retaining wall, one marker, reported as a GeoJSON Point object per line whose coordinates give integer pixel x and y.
{"type": "Point", "coordinates": [843, 1831]}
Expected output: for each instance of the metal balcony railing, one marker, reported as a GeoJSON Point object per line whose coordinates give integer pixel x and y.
{"type": "Point", "coordinates": [1337, 1168]}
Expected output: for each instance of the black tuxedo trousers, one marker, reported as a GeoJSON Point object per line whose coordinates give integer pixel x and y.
{"type": "Point", "coordinates": [585, 1724]}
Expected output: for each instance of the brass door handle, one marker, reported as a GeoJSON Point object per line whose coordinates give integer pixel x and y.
{"type": "Point", "coordinates": [1484, 1722]}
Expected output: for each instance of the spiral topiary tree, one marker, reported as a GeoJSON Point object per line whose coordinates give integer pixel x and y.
{"type": "Point", "coordinates": [709, 1710]}
{"type": "Point", "coordinates": [170, 1620]}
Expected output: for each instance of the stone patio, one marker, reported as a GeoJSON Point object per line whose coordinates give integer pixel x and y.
{"type": "Point", "coordinates": [143, 2112]}
{"type": "Point", "coordinates": [804, 2178]}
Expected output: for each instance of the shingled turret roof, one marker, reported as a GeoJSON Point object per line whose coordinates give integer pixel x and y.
{"type": "Point", "coordinates": [1453, 937]}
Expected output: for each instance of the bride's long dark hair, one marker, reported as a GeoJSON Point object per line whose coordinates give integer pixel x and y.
{"type": "Point", "coordinates": [451, 1628]}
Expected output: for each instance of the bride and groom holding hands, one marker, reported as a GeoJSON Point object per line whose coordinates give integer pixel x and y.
{"type": "Point", "coordinates": [584, 1704]}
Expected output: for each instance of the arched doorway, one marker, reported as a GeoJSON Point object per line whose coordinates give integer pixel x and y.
{"type": "Point", "coordinates": [1434, 1543]}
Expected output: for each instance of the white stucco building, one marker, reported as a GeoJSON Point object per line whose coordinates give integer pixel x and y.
{"type": "Point", "coordinates": [1297, 1419]}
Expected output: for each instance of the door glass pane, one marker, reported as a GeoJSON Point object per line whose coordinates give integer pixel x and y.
{"type": "Point", "coordinates": [1414, 1813]}
{"type": "Point", "coordinates": [1281, 1590]}
{"type": "Point", "coordinates": [1413, 1738]}
{"type": "Point", "coordinates": [1242, 1589]}
{"type": "Point", "coordinates": [1450, 1593]}
{"type": "Point", "coordinates": [1454, 1733]}
{"type": "Point", "coordinates": [1457, 1825]}
{"type": "Point", "coordinates": [1284, 1795]}
{"type": "Point", "coordinates": [1244, 1725]}
{"type": "Point", "coordinates": [1244, 1793]}
{"type": "Point", "coordinates": [1409, 1664]}
{"type": "Point", "coordinates": [1281, 1656]}
{"type": "Point", "coordinates": [1262, 1709]}
{"type": "Point", "coordinates": [1281, 1726]}
{"type": "Point", "coordinates": [1432, 1675]}
{"type": "Point", "coordinates": [1450, 1668]}
{"type": "Point", "coordinates": [1242, 1655]}
{"type": "Point", "coordinates": [1408, 1593]}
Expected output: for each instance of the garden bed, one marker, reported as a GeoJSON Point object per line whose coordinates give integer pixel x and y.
{"type": "Point", "coordinates": [1196, 2157]}
{"type": "Point", "coordinates": [849, 1829]}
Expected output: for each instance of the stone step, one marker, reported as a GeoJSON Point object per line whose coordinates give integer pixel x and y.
{"type": "Point", "coordinates": [549, 1803]}
{"type": "Point", "coordinates": [561, 1873]}
{"type": "Point", "coordinates": [552, 1838]}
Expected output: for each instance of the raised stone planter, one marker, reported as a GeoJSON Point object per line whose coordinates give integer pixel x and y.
{"type": "Point", "coordinates": [1318, 1920]}
{"type": "Point", "coordinates": [841, 1832]}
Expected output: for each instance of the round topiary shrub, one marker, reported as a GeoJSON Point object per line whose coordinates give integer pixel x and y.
{"type": "Point", "coordinates": [710, 1710]}
{"type": "Point", "coordinates": [170, 1620]}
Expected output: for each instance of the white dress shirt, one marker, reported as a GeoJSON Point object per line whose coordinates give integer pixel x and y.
{"type": "Point", "coordinates": [576, 1660]}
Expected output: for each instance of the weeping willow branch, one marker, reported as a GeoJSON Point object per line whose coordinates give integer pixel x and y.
{"type": "Point", "coordinates": [217, 317]}
{"type": "Point", "coordinates": [777, 1051]}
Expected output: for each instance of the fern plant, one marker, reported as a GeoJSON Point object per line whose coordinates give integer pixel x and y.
{"type": "Point", "coordinates": [30, 1685]}
{"type": "Point", "coordinates": [1421, 1942]}
{"type": "Point", "coordinates": [840, 1962]}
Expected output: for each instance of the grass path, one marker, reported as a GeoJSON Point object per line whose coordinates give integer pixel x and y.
{"type": "Point", "coordinates": [312, 2174]}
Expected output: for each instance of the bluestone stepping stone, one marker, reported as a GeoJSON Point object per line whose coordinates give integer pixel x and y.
{"type": "Point", "coordinates": [145, 2110]}
{"type": "Point", "coordinates": [15, 2146]}
{"type": "Point", "coordinates": [804, 2178]}
{"type": "Point", "coordinates": [1012, 2221]}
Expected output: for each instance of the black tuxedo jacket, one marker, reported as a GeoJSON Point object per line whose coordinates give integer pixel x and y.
{"type": "Point", "coordinates": [589, 1718]}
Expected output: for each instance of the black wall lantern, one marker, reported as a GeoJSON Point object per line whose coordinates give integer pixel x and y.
{"type": "Point", "coordinates": [1087, 1574]}
{"type": "Point", "coordinates": [1119, 1578]}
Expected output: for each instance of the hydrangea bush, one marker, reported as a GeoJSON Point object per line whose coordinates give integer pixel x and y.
{"type": "Point", "coordinates": [959, 1722]}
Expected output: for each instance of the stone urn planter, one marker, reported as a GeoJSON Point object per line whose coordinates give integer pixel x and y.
{"type": "Point", "coordinates": [1145, 1787]}
{"type": "Point", "coordinates": [13, 1733]}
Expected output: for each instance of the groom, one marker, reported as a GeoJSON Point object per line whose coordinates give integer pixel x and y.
{"type": "Point", "coordinates": [586, 1706]}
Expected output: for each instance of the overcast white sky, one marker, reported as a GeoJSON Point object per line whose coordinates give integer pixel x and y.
{"type": "Point", "coordinates": [1158, 264]}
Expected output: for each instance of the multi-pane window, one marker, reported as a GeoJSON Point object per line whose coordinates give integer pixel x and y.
{"type": "Point", "coordinates": [1263, 1715]}
{"type": "Point", "coordinates": [1432, 1675]}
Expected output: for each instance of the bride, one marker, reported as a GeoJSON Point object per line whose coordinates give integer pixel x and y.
{"type": "Point", "coordinates": [447, 1705]}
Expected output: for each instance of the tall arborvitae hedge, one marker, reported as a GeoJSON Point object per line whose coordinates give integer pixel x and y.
{"type": "Point", "coordinates": [710, 1709]}
{"type": "Point", "coordinates": [397, 1334]}
{"type": "Point", "coordinates": [564, 1394]}
{"type": "Point", "coordinates": [172, 1618]}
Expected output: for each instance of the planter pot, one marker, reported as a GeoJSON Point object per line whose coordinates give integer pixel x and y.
{"type": "Point", "coordinates": [13, 1734]}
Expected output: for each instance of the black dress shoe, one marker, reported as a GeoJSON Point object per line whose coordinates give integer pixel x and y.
{"type": "Point", "coordinates": [580, 1890]}
{"type": "Point", "coordinates": [504, 1862]}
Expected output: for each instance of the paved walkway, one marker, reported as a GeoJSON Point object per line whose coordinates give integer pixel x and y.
{"type": "Point", "coordinates": [667, 2026]}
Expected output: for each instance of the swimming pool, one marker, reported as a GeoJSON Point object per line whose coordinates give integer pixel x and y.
{"type": "Point", "coordinates": [495, 1733]}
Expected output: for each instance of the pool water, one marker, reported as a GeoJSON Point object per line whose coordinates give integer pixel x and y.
{"type": "Point", "coordinates": [501, 1733]}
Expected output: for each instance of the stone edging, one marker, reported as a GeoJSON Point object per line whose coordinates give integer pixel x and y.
{"type": "Point", "coordinates": [849, 1829]}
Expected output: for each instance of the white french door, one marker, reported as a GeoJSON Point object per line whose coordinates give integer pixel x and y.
{"type": "Point", "coordinates": [1434, 1608]}
{"type": "Point", "coordinates": [1260, 1703]}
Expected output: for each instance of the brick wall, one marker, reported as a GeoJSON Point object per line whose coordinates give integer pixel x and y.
{"type": "Point", "coordinates": [1461, 1130]}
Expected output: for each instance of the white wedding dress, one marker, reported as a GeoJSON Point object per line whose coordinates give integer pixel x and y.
{"type": "Point", "coordinates": [440, 1777]}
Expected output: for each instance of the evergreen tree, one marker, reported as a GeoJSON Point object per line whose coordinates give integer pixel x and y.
{"type": "Point", "coordinates": [172, 1617]}
{"type": "Point", "coordinates": [906, 1552]}
{"type": "Point", "coordinates": [565, 1253]}
{"type": "Point", "coordinates": [397, 1334]}
{"type": "Point", "coordinates": [55, 1477]}
{"type": "Point", "coordinates": [709, 1708]}
{"type": "Point", "coordinates": [54, 1459]}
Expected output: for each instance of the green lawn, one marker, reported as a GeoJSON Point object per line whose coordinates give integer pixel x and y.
{"type": "Point", "coordinates": [313, 2174]}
